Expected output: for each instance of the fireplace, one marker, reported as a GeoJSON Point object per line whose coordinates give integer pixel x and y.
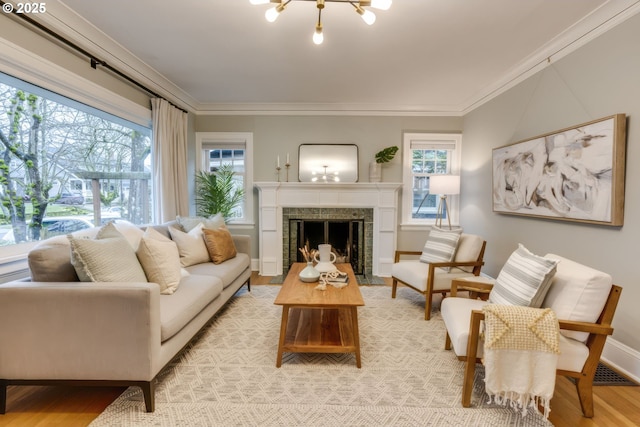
{"type": "Point", "coordinates": [376, 204]}
{"type": "Point", "coordinates": [348, 230]}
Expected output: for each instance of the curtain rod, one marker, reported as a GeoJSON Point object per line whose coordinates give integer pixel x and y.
{"type": "Point", "coordinates": [94, 61]}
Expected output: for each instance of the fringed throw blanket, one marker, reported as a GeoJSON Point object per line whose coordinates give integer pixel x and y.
{"type": "Point", "coordinates": [521, 348]}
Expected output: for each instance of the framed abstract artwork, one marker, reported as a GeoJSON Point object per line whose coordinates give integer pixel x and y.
{"type": "Point", "coordinates": [574, 174]}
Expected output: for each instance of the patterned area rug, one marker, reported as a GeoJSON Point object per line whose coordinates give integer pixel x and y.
{"type": "Point", "coordinates": [227, 375]}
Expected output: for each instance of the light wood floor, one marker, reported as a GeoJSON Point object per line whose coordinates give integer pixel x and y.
{"type": "Point", "coordinates": [36, 406]}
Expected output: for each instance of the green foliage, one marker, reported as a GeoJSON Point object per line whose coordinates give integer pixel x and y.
{"type": "Point", "coordinates": [108, 197]}
{"type": "Point", "coordinates": [386, 155]}
{"type": "Point", "coordinates": [217, 192]}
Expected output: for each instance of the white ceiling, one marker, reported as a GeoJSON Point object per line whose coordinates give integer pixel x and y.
{"type": "Point", "coordinates": [420, 57]}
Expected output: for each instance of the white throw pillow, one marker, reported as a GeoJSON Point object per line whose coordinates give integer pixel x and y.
{"type": "Point", "coordinates": [188, 223]}
{"type": "Point", "coordinates": [190, 245]}
{"type": "Point", "coordinates": [440, 246]}
{"type": "Point", "coordinates": [524, 279]}
{"type": "Point", "coordinates": [107, 258]}
{"type": "Point", "coordinates": [160, 260]}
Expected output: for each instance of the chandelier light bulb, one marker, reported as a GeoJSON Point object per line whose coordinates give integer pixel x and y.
{"type": "Point", "coordinates": [367, 16]}
{"type": "Point", "coordinates": [258, 1]}
{"type": "Point", "coordinates": [272, 14]}
{"type": "Point", "coordinates": [378, 4]}
{"type": "Point", "coordinates": [318, 37]}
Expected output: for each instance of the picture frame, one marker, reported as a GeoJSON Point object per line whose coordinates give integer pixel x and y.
{"type": "Point", "coordinates": [326, 163]}
{"type": "Point", "coordinates": [574, 174]}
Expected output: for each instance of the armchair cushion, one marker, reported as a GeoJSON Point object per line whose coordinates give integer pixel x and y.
{"type": "Point", "coordinates": [524, 280]}
{"type": "Point", "coordinates": [440, 246]}
{"type": "Point", "coordinates": [415, 273]}
{"type": "Point", "coordinates": [577, 293]}
{"type": "Point", "coordinates": [469, 246]}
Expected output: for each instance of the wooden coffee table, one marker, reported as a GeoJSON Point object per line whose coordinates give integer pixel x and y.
{"type": "Point", "coordinates": [315, 321]}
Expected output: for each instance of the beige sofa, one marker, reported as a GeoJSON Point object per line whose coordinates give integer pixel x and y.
{"type": "Point", "coordinates": [56, 329]}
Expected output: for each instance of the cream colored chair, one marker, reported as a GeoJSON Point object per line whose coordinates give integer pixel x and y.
{"type": "Point", "coordinates": [436, 277]}
{"type": "Point", "coordinates": [584, 301]}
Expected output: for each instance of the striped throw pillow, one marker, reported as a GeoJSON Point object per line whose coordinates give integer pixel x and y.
{"type": "Point", "coordinates": [440, 246]}
{"type": "Point", "coordinates": [524, 280]}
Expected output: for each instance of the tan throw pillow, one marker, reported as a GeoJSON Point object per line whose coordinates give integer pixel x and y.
{"type": "Point", "coordinates": [160, 260]}
{"type": "Point", "coordinates": [190, 246]}
{"type": "Point", "coordinates": [220, 244]}
{"type": "Point", "coordinates": [107, 258]}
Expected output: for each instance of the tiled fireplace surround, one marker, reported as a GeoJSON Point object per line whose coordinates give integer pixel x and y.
{"type": "Point", "coordinates": [334, 200]}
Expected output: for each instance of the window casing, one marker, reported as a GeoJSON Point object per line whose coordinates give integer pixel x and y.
{"type": "Point", "coordinates": [236, 148]}
{"type": "Point", "coordinates": [424, 155]}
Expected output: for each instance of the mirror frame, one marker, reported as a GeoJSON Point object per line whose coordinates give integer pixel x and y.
{"type": "Point", "coordinates": [339, 160]}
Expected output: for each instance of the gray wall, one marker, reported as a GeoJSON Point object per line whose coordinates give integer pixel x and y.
{"type": "Point", "coordinates": [279, 135]}
{"type": "Point", "coordinates": [600, 79]}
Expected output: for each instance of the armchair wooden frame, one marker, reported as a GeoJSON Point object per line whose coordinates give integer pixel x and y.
{"type": "Point", "coordinates": [429, 291]}
{"type": "Point", "coordinates": [598, 333]}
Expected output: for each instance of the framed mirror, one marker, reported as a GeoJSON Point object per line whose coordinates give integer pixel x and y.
{"type": "Point", "coordinates": [328, 163]}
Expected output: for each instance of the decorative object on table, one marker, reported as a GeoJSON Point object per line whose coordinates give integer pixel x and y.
{"type": "Point", "coordinates": [309, 273]}
{"type": "Point", "coordinates": [325, 258]}
{"type": "Point", "coordinates": [444, 185]}
{"type": "Point", "coordinates": [318, 37]}
{"type": "Point", "coordinates": [382, 156]}
{"type": "Point", "coordinates": [337, 279]}
{"type": "Point", "coordinates": [575, 174]}
{"type": "Point", "coordinates": [218, 192]}
{"type": "Point", "coordinates": [329, 160]}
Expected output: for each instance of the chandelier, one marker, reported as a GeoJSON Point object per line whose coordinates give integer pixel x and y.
{"type": "Point", "coordinates": [325, 175]}
{"type": "Point", "coordinates": [367, 16]}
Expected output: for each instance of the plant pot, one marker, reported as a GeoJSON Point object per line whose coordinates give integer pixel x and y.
{"type": "Point", "coordinates": [375, 171]}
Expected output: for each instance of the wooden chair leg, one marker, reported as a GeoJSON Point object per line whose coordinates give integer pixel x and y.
{"type": "Point", "coordinates": [3, 396]}
{"type": "Point", "coordinates": [584, 387]}
{"type": "Point", "coordinates": [394, 286]}
{"type": "Point", "coordinates": [472, 351]}
{"type": "Point", "coordinates": [427, 305]}
{"type": "Point", "coordinates": [447, 342]}
{"type": "Point", "coordinates": [148, 391]}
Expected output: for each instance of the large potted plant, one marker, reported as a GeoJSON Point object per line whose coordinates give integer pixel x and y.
{"type": "Point", "coordinates": [216, 192]}
{"type": "Point", "coordinates": [383, 156]}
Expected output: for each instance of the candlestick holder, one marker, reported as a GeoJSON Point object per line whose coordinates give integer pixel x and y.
{"type": "Point", "coordinates": [287, 165]}
{"type": "Point", "coordinates": [278, 172]}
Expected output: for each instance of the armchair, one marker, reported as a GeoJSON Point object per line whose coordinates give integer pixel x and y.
{"type": "Point", "coordinates": [436, 277]}
{"type": "Point", "coordinates": [584, 300]}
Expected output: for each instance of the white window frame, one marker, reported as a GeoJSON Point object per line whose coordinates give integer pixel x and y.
{"type": "Point", "coordinates": [209, 140]}
{"type": "Point", "coordinates": [410, 140]}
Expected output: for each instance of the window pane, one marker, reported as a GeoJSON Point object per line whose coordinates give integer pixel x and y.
{"type": "Point", "coordinates": [53, 152]}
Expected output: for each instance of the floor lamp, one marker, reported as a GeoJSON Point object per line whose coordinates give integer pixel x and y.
{"type": "Point", "coordinates": [444, 185]}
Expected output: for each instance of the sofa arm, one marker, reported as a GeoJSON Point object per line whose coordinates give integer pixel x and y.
{"type": "Point", "coordinates": [74, 330]}
{"type": "Point", "coordinates": [243, 243]}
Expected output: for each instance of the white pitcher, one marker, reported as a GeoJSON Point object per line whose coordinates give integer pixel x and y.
{"type": "Point", "coordinates": [327, 258]}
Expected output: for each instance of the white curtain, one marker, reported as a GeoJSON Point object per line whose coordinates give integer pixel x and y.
{"type": "Point", "coordinates": [169, 161]}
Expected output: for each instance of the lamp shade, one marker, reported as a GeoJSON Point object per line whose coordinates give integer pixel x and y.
{"type": "Point", "coordinates": [444, 184]}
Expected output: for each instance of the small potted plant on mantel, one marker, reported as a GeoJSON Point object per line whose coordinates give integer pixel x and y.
{"type": "Point", "coordinates": [382, 156]}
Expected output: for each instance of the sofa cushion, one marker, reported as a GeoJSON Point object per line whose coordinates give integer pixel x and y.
{"type": "Point", "coordinates": [107, 258]}
{"type": "Point", "coordinates": [190, 222]}
{"type": "Point", "coordinates": [524, 279]}
{"type": "Point", "coordinates": [577, 292]}
{"type": "Point", "coordinates": [193, 294]}
{"type": "Point", "coordinates": [190, 245]}
{"type": "Point", "coordinates": [160, 260]}
{"type": "Point", "coordinates": [227, 271]}
{"type": "Point", "coordinates": [219, 244]}
{"type": "Point", "coordinates": [440, 246]}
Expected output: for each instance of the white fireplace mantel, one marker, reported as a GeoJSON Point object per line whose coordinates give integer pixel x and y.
{"type": "Point", "coordinates": [382, 197]}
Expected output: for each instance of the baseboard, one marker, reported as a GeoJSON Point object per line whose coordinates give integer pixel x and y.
{"type": "Point", "coordinates": [255, 264]}
{"type": "Point", "coordinates": [622, 358]}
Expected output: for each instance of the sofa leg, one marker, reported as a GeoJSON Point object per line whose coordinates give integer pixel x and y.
{"type": "Point", "coordinates": [148, 390]}
{"type": "Point", "coordinates": [394, 286]}
{"type": "Point", "coordinates": [3, 396]}
{"type": "Point", "coordinates": [249, 285]}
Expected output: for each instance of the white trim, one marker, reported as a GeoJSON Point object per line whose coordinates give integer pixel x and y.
{"type": "Point", "coordinates": [241, 138]}
{"type": "Point", "coordinates": [407, 182]}
{"type": "Point", "coordinates": [622, 358]}
{"type": "Point", "coordinates": [25, 65]}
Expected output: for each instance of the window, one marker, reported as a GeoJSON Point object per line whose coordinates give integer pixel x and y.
{"type": "Point", "coordinates": [233, 148]}
{"type": "Point", "coordinates": [424, 155]}
{"type": "Point", "coordinates": [64, 165]}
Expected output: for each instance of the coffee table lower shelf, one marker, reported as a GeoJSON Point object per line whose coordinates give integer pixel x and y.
{"type": "Point", "coordinates": [319, 330]}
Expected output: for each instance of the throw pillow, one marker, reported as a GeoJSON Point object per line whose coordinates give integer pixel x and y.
{"type": "Point", "coordinates": [190, 246]}
{"type": "Point", "coordinates": [160, 260]}
{"type": "Point", "coordinates": [524, 280]}
{"type": "Point", "coordinates": [188, 223]}
{"type": "Point", "coordinates": [440, 246]}
{"type": "Point", "coordinates": [107, 258]}
{"type": "Point", "coordinates": [220, 244]}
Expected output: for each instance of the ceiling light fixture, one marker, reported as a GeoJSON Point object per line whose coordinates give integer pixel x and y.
{"type": "Point", "coordinates": [367, 16]}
